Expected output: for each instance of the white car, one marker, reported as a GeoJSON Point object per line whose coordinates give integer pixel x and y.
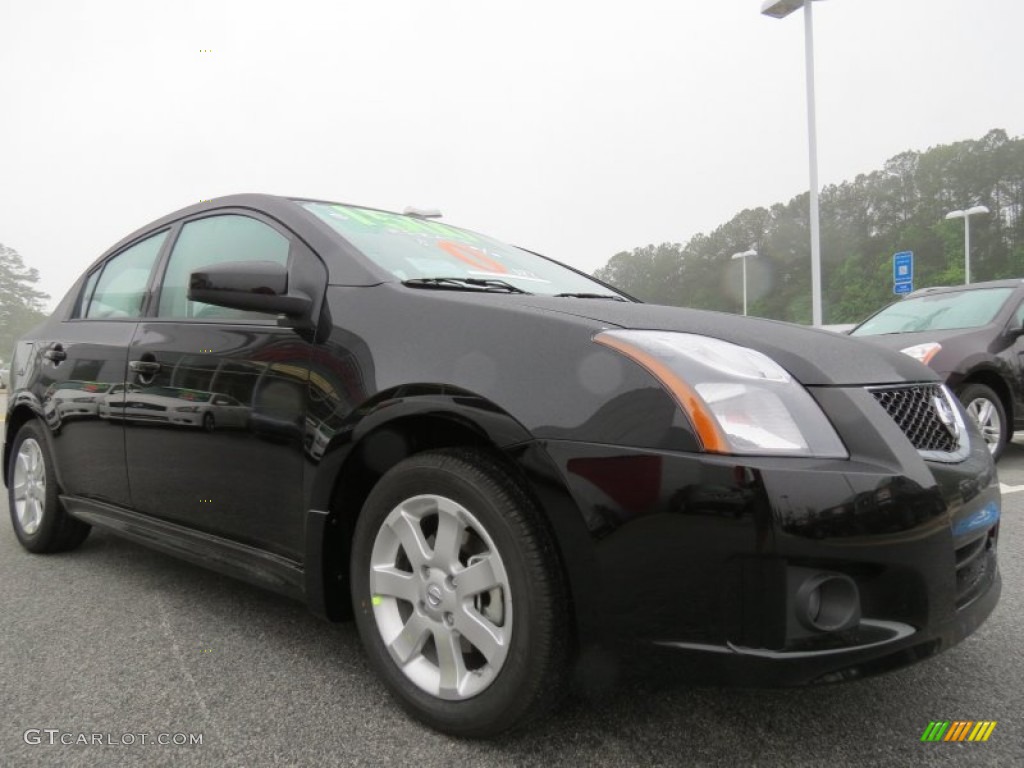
{"type": "Point", "coordinates": [174, 405]}
{"type": "Point", "coordinates": [73, 399]}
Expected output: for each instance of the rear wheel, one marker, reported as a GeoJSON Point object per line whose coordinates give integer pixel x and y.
{"type": "Point", "coordinates": [39, 519]}
{"type": "Point", "coordinates": [458, 595]}
{"type": "Point", "coordinates": [986, 410]}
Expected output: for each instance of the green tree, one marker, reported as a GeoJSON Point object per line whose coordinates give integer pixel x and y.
{"type": "Point", "coordinates": [863, 223]}
{"type": "Point", "coordinates": [21, 305]}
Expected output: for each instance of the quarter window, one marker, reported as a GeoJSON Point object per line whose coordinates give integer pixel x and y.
{"type": "Point", "coordinates": [1019, 317]}
{"type": "Point", "coordinates": [122, 284]}
{"type": "Point", "coordinates": [216, 240]}
{"type": "Point", "coordinates": [90, 286]}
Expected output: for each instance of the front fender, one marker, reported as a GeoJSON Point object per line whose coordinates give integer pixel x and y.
{"type": "Point", "coordinates": [392, 407]}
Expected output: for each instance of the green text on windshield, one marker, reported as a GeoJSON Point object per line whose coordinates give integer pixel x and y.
{"type": "Point", "coordinates": [413, 248]}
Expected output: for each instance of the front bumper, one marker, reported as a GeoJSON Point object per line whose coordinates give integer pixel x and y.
{"type": "Point", "coordinates": [695, 553]}
{"type": "Point", "coordinates": [896, 645]}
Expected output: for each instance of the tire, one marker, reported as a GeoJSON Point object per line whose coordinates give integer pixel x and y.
{"type": "Point", "coordinates": [39, 519]}
{"type": "Point", "coordinates": [986, 410]}
{"type": "Point", "coordinates": [208, 423]}
{"type": "Point", "coordinates": [506, 645]}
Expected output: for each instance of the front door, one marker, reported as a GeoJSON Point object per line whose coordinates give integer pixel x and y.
{"type": "Point", "coordinates": [214, 413]}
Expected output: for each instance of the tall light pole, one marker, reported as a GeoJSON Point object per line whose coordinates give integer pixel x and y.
{"type": "Point", "coordinates": [966, 216]}
{"type": "Point", "coordinates": [743, 257]}
{"type": "Point", "coordinates": [779, 9]}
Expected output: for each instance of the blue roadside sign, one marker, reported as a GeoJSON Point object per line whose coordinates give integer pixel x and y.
{"type": "Point", "coordinates": [903, 267]}
{"type": "Point", "coordinates": [902, 272]}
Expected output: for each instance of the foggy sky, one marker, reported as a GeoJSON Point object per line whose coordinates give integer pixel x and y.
{"type": "Point", "coordinates": [578, 129]}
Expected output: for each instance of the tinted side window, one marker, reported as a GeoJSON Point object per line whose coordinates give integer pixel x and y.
{"type": "Point", "coordinates": [122, 284]}
{"type": "Point", "coordinates": [216, 240]}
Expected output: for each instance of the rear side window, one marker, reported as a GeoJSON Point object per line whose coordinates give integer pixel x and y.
{"type": "Point", "coordinates": [216, 240]}
{"type": "Point", "coordinates": [121, 285]}
{"type": "Point", "coordinates": [90, 286]}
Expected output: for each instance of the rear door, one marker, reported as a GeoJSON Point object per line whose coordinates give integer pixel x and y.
{"type": "Point", "coordinates": [84, 365]}
{"type": "Point", "coordinates": [226, 394]}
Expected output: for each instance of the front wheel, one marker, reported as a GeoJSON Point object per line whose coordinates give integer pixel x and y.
{"type": "Point", "coordinates": [987, 411]}
{"type": "Point", "coordinates": [458, 594]}
{"type": "Point", "coordinates": [39, 519]}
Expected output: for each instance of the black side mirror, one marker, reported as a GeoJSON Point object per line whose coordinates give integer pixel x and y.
{"type": "Point", "coordinates": [258, 286]}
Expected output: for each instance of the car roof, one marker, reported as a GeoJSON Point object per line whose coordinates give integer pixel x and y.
{"type": "Point", "coordinates": [345, 263]}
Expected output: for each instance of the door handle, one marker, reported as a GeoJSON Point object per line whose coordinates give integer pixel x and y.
{"type": "Point", "coordinates": [55, 354]}
{"type": "Point", "coordinates": [144, 367]}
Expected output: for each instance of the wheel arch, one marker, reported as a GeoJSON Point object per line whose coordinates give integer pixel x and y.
{"type": "Point", "coordinates": [394, 428]}
{"type": "Point", "coordinates": [994, 381]}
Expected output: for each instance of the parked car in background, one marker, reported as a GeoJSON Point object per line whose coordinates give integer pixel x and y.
{"type": "Point", "coordinates": [498, 465]}
{"type": "Point", "coordinates": [174, 405]}
{"type": "Point", "coordinates": [5, 375]}
{"type": "Point", "coordinates": [973, 337]}
{"type": "Point", "coordinates": [72, 399]}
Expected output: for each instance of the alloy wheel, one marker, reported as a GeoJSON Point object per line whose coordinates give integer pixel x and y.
{"type": "Point", "coordinates": [29, 488]}
{"type": "Point", "coordinates": [441, 597]}
{"type": "Point", "coordinates": [986, 416]}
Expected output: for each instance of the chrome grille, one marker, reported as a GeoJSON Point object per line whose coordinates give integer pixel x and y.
{"type": "Point", "coordinates": [913, 409]}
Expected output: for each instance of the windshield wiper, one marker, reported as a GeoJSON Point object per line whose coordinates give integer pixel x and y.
{"type": "Point", "coordinates": [589, 296]}
{"type": "Point", "coordinates": [463, 284]}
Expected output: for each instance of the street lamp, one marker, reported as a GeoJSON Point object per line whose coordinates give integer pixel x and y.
{"type": "Point", "coordinates": [743, 256]}
{"type": "Point", "coordinates": [779, 9]}
{"type": "Point", "coordinates": [966, 216]}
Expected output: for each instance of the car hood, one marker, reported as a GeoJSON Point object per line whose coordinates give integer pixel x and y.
{"type": "Point", "coordinates": [962, 348]}
{"type": "Point", "coordinates": [814, 357]}
{"type": "Point", "coordinates": [900, 341]}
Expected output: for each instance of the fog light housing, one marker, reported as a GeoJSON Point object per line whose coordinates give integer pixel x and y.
{"type": "Point", "coordinates": [820, 602]}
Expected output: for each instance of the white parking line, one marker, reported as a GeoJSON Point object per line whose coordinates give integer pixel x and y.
{"type": "Point", "coordinates": [1010, 488]}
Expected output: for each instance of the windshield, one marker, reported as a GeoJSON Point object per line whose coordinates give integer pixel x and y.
{"type": "Point", "coordinates": [938, 312]}
{"type": "Point", "coordinates": [417, 249]}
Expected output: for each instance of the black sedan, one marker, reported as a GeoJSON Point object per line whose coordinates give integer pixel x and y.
{"type": "Point", "coordinates": [971, 335]}
{"type": "Point", "coordinates": [496, 464]}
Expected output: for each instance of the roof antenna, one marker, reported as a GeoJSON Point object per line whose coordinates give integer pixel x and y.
{"type": "Point", "coordinates": [422, 213]}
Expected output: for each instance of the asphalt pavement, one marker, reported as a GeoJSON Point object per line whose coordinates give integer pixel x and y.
{"type": "Point", "coordinates": [114, 642]}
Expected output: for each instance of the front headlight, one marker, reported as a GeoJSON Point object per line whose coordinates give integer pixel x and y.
{"type": "Point", "coordinates": [737, 399]}
{"type": "Point", "coordinates": [923, 352]}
